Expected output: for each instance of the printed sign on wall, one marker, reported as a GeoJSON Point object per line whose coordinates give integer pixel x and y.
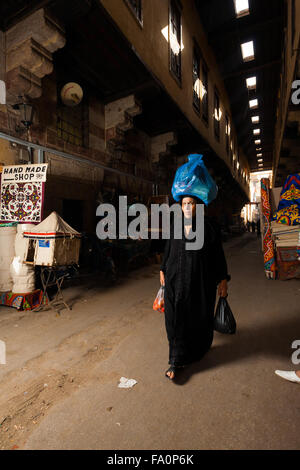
{"type": "Point", "coordinates": [22, 193]}
{"type": "Point", "coordinates": [33, 173]}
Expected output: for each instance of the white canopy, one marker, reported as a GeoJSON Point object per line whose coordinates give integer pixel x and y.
{"type": "Point", "coordinates": [52, 226]}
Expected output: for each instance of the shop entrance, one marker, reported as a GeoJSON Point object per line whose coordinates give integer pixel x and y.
{"type": "Point", "coordinates": [73, 213]}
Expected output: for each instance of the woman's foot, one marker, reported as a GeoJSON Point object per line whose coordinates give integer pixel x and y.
{"type": "Point", "coordinates": [172, 372]}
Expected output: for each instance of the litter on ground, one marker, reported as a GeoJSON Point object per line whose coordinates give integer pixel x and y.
{"type": "Point", "coordinates": [126, 383]}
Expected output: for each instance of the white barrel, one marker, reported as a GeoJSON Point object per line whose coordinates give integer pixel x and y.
{"type": "Point", "coordinates": [21, 243]}
{"type": "Point", "coordinates": [23, 277]}
{"type": "Point", "coordinates": [7, 252]}
{"type": "Point", "coordinates": [24, 227]}
{"type": "Point", "coordinates": [19, 288]}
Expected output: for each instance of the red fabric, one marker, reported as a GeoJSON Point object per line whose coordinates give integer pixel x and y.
{"type": "Point", "coordinates": [22, 301]}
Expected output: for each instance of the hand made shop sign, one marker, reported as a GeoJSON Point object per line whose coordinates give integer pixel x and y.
{"type": "Point", "coordinates": [22, 193]}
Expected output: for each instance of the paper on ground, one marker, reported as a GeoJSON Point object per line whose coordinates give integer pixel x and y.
{"type": "Point", "coordinates": [126, 383]}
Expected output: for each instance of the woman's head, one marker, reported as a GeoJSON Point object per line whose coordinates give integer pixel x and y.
{"type": "Point", "coordinates": [188, 206]}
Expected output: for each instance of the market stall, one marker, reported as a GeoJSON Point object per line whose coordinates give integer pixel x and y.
{"type": "Point", "coordinates": [281, 217]}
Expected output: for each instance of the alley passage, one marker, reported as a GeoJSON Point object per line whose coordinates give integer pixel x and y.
{"type": "Point", "coordinates": [59, 390]}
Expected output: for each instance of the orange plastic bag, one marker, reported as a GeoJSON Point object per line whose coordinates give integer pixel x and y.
{"type": "Point", "coordinates": [159, 302]}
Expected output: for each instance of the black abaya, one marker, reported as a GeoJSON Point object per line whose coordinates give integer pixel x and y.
{"type": "Point", "coordinates": [191, 278]}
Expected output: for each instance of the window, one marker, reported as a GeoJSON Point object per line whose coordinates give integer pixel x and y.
{"type": "Point", "coordinates": [72, 123]}
{"type": "Point", "coordinates": [247, 51]}
{"type": "Point", "coordinates": [227, 133]}
{"type": "Point", "coordinates": [196, 80]}
{"type": "Point", "coordinates": [175, 39]}
{"type": "Point", "coordinates": [231, 152]}
{"type": "Point", "coordinates": [253, 104]}
{"type": "Point", "coordinates": [251, 83]}
{"type": "Point", "coordinates": [241, 8]}
{"type": "Point", "coordinates": [204, 92]}
{"type": "Point", "coordinates": [136, 7]}
{"type": "Point", "coordinates": [217, 115]}
{"type": "Point", "coordinates": [293, 19]}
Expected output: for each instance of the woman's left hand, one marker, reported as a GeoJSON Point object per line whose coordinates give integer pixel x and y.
{"type": "Point", "coordinates": [222, 288]}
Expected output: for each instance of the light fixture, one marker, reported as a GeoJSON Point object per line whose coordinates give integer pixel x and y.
{"type": "Point", "coordinates": [241, 8]}
{"type": "Point", "coordinates": [258, 141]}
{"type": "Point", "coordinates": [251, 83]}
{"type": "Point", "coordinates": [247, 51]}
{"type": "Point", "coordinates": [255, 119]}
{"type": "Point", "coordinates": [253, 103]}
{"type": "Point", "coordinates": [26, 115]}
{"type": "Point", "coordinates": [256, 131]}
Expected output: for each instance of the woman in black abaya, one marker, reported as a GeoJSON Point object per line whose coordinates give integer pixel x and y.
{"type": "Point", "coordinates": [191, 279]}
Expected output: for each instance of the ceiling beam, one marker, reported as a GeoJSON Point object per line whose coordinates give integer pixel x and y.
{"type": "Point", "coordinates": [250, 70]}
{"type": "Point", "coordinates": [221, 34]}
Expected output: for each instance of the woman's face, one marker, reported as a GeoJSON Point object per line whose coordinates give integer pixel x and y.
{"type": "Point", "coordinates": [188, 205]}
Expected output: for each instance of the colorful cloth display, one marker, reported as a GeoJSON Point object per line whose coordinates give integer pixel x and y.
{"type": "Point", "coordinates": [288, 211]}
{"type": "Point", "coordinates": [22, 301]}
{"type": "Point", "coordinates": [22, 202]}
{"type": "Point", "coordinates": [269, 258]}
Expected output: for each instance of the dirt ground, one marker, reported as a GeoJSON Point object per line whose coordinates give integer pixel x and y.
{"type": "Point", "coordinates": [59, 389]}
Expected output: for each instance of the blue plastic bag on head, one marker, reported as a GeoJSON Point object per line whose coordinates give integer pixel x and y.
{"type": "Point", "coordinates": [193, 179]}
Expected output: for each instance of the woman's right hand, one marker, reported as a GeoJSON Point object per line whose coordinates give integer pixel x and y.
{"type": "Point", "coordinates": [162, 278]}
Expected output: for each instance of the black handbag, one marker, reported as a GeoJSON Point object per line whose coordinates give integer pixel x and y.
{"type": "Point", "coordinates": [224, 321]}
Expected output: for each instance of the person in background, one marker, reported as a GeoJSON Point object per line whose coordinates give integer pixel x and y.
{"type": "Point", "coordinates": [253, 226]}
{"type": "Point", "coordinates": [291, 375]}
{"type": "Point", "coordinates": [258, 227]}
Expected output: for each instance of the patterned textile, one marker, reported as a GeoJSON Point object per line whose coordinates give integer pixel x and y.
{"type": "Point", "coordinates": [22, 301]}
{"type": "Point", "coordinates": [22, 202]}
{"type": "Point", "coordinates": [288, 261]}
{"type": "Point", "coordinates": [289, 204]}
{"type": "Point", "coordinates": [269, 258]}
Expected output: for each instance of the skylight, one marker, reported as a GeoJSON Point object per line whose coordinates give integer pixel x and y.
{"type": "Point", "coordinates": [255, 119]}
{"type": "Point", "coordinates": [253, 103]}
{"type": "Point", "coordinates": [241, 8]}
{"type": "Point", "coordinates": [256, 131]}
{"type": "Point", "coordinates": [260, 160]}
{"type": "Point", "coordinates": [259, 155]}
{"type": "Point", "coordinates": [251, 83]}
{"type": "Point", "coordinates": [247, 51]}
{"type": "Point", "coordinates": [257, 142]}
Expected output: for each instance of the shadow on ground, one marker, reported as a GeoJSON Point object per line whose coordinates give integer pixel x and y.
{"type": "Point", "coordinates": [269, 340]}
